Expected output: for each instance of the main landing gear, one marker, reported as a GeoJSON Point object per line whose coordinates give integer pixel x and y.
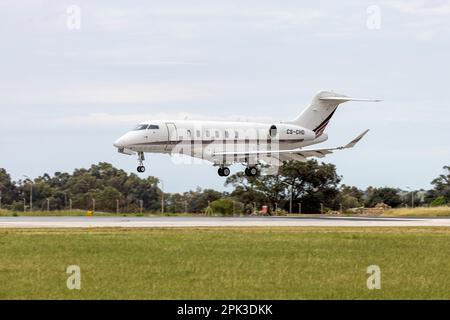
{"type": "Point", "coordinates": [141, 169]}
{"type": "Point", "coordinates": [223, 171]}
{"type": "Point", "coordinates": [251, 171]}
{"type": "Point", "coordinates": [141, 158]}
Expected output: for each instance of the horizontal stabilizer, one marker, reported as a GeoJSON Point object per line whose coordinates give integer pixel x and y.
{"type": "Point", "coordinates": [344, 99]}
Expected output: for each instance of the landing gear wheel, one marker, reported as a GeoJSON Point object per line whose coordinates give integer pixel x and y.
{"type": "Point", "coordinates": [141, 159]}
{"type": "Point", "coordinates": [251, 171]}
{"type": "Point", "coordinates": [225, 172]}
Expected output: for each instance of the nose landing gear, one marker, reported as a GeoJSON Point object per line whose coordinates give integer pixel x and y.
{"type": "Point", "coordinates": [141, 160]}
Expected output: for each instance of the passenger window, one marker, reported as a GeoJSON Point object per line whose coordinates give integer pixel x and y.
{"type": "Point", "coordinates": [236, 135]}
{"type": "Point", "coordinates": [189, 133]}
{"type": "Point", "coordinates": [227, 134]}
{"type": "Point", "coordinates": [217, 134]}
{"type": "Point", "coordinates": [207, 133]}
{"type": "Point", "coordinates": [198, 134]}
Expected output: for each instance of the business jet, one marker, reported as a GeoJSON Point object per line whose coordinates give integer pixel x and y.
{"type": "Point", "coordinates": [252, 144]}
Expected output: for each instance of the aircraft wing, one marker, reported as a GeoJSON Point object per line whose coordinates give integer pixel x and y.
{"type": "Point", "coordinates": [293, 154]}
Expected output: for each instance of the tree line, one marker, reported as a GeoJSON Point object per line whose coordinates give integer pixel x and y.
{"type": "Point", "coordinates": [307, 187]}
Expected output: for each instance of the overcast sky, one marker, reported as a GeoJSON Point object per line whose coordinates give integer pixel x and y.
{"type": "Point", "coordinates": [66, 93]}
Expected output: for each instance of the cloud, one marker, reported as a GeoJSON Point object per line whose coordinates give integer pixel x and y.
{"type": "Point", "coordinates": [438, 151]}
{"type": "Point", "coordinates": [425, 19]}
{"type": "Point", "coordinates": [107, 119]}
{"type": "Point", "coordinates": [186, 19]}
{"type": "Point", "coordinates": [131, 94]}
{"type": "Point", "coordinates": [113, 94]}
{"type": "Point", "coordinates": [421, 7]}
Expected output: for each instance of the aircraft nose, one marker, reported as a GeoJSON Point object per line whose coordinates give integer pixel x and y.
{"type": "Point", "coordinates": [119, 143]}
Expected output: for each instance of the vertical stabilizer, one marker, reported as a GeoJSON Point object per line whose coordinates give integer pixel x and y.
{"type": "Point", "coordinates": [319, 112]}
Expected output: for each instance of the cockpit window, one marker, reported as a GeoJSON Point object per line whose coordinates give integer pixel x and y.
{"type": "Point", "coordinates": [153, 127]}
{"type": "Point", "coordinates": [141, 127]}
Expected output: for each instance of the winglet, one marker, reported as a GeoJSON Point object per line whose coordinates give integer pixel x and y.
{"type": "Point", "coordinates": [352, 143]}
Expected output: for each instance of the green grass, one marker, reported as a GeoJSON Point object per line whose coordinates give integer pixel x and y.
{"type": "Point", "coordinates": [419, 212]}
{"type": "Point", "coordinates": [37, 213]}
{"type": "Point", "coordinates": [400, 212]}
{"type": "Point", "coordinates": [234, 263]}
{"type": "Point", "coordinates": [71, 213]}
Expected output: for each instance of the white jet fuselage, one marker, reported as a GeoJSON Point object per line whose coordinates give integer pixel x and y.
{"type": "Point", "coordinates": [204, 139]}
{"type": "Point", "coordinates": [251, 143]}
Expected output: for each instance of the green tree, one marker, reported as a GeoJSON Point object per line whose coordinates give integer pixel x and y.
{"type": "Point", "coordinates": [350, 197]}
{"type": "Point", "coordinates": [176, 203]}
{"type": "Point", "coordinates": [245, 196]}
{"type": "Point", "coordinates": [106, 198]}
{"type": "Point", "coordinates": [102, 181]}
{"type": "Point", "coordinates": [263, 189]}
{"type": "Point", "coordinates": [439, 201]}
{"type": "Point", "coordinates": [7, 188]}
{"type": "Point", "coordinates": [311, 184]}
{"type": "Point", "coordinates": [442, 185]}
{"type": "Point", "coordinates": [198, 200]}
{"type": "Point", "coordinates": [223, 206]}
{"type": "Point", "coordinates": [386, 195]}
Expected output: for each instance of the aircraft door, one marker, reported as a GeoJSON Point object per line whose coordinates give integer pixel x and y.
{"type": "Point", "coordinates": [172, 135]}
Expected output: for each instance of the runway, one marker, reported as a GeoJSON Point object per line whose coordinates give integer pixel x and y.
{"type": "Point", "coordinates": [169, 222]}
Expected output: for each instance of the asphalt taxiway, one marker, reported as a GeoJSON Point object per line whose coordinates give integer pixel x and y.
{"type": "Point", "coordinates": [169, 222]}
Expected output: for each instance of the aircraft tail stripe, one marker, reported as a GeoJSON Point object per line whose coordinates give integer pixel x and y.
{"type": "Point", "coordinates": [325, 122]}
{"type": "Point", "coordinates": [321, 128]}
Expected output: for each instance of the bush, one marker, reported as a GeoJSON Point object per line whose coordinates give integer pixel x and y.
{"type": "Point", "coordinates": [349, 202]}
{"type": "Point", "coordinates": [17, 206]}
{"type": "Point", "coordinates": [222, 206]}
{"type": "Point", "coordinates": [279, 212]}
{"type": "Point", "coordinates": [386, 195]}
{"type": "Point", "coordinates": [439, 201]}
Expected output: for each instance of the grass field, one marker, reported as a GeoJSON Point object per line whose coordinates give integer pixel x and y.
{"type": "Point", "coordinates": [74, 213]}
{"type": "Point", "coordinates": [419, 212]}
{"type": "Point", "coordinates": [398, 212]}
{"type": "Point", "coordinates": [215, 263]}
{"type": "Point", "coordinates": [37, 213]}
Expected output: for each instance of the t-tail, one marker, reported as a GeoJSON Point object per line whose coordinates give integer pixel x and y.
{"type": "Point", "coordinates": [318, 114]}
